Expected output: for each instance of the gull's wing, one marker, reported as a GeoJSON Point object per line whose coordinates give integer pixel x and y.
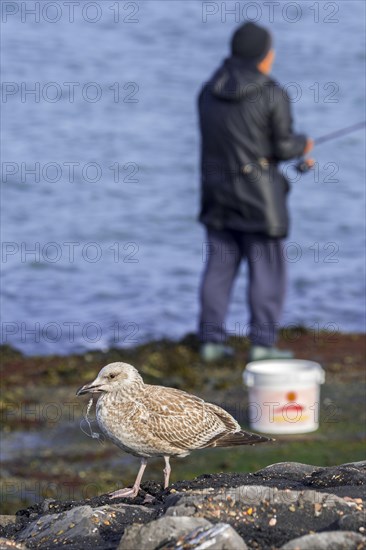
{"type": "Point", "coordinates": [185, 421]}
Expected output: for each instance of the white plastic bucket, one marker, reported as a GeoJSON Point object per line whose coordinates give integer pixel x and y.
{"type": "Point", "coordinates": [284, 395]}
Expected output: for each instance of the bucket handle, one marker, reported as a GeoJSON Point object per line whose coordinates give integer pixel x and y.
{"type": "Point", "coordinates": [321, 378]}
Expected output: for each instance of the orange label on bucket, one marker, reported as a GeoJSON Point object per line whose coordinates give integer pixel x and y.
{"type": "Point", "coordinates": [289, 409]}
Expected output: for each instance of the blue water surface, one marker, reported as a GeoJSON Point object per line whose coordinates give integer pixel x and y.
{"type": "Point", "coordinates": [100, 243]}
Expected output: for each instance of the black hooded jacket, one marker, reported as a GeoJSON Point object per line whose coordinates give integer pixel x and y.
{"type": "Point", "coordinates": [246, 129]}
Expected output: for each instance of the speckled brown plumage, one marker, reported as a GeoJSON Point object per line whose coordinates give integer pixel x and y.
{"type": "Point", "coordinates": [149, 421]}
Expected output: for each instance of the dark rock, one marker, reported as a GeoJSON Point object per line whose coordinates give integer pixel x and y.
{"type": "Point", "coordinates": [52, 506]}
{"type": "Point", "coordinates": [7, 520]}
{"type": "Point", "coordinates": [288, 470]}
{"type": "Point", "coordinates": [159, 532]}
{"type": "Point", "coordinates": [345, 480]}
{"type": "Point", "coordinates": [48, 505]}
{"type": "Point", "coordinates": [217, 537]}
{"type": "Point", "coordinates": [264, 515]}
{"type": "Point", "coordinates": [332, 540]}
{"type": "Point", "coordinates": [183, 509]}
{"type": "Point", "coordinates": [249, 495]}
{"type": "Point", "coordinates": [355, 521]}
{"type": "Point", "coordinates": [9, 525]}
{"type": "Point", "coordinates": [168, 533]}
{"type": "Point", "coordinates": [267, 509]}
{"type": "Point", "coordinates": [100, 527]}
{"type": "Point", "coordinates": [336, 476]}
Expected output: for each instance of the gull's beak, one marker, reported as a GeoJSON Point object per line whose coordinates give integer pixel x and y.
{"type": "Point", "coordinates": [89, 388]}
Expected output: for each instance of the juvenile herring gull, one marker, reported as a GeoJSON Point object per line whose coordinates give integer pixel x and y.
{"type": "Point", "coordinates": [149, 421]}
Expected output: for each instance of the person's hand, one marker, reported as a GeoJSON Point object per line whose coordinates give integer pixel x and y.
{"type": "Point", "coordinates": [310, 163]}
{"type": "Point", "coordinates": [305, 165]}
{"type": "Point", "coordinates": [309, 146]}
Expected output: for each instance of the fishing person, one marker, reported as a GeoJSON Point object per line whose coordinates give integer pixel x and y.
{"type": "Point", "coordinates": [246, 130]}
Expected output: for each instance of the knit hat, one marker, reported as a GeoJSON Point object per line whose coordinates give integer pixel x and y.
{"type": "Point", "coordinates": [251, 42]}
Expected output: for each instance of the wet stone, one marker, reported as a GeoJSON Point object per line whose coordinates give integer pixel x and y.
{"type": "Point", "coordinates": [355, 521]}
{"type": "Point", "coordinates": [265, 515]}
{"type": "Point", "coordinates": [352, 475]}
{"type": "Point", "coordinates": [216, 537]}
{"type": "Point", "coordinates": [172, 532]}
{"type": "Point", "coordinates": [267, 509]}
{"type": "Point", "coordinates": [288, 470]}
{"type": "Point", "coordinates": [331, 540]}
{"type": "Point", "coordinates": [159, 532]}
{"type": "Point", "coordinates": [82, 525]}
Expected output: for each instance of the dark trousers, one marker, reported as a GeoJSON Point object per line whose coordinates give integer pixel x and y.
{"type": "Point", "coordinates": [222, 254]}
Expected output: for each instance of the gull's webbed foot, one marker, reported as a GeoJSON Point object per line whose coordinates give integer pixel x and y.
{"type": "Point", "coordinates": [128, 492]}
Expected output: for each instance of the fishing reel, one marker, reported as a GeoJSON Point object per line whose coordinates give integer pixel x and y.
{"type": "Point", "coordinates": [304, 165]}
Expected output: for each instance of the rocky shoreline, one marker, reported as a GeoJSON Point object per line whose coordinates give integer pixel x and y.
{"type": "Point", "coordinates": [54, 480]}
{"type": "Point", "coordinates": [284, 506]}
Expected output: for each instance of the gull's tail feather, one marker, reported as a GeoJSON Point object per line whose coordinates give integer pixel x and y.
{"type": "Point", "coordinates": [240, 438]}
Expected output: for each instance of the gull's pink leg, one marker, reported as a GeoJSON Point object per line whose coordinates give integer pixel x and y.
{"type": "Point", "coordinates": [167, 471]}
{"type": "Point", "coordinates": [131, 492]}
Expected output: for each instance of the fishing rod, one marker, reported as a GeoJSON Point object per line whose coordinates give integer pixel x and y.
{"type": "Point", "coordinates": [304, 166]}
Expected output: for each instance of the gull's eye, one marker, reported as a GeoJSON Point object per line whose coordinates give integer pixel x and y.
{"type": "Point", "coordinates": [112, 375]}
